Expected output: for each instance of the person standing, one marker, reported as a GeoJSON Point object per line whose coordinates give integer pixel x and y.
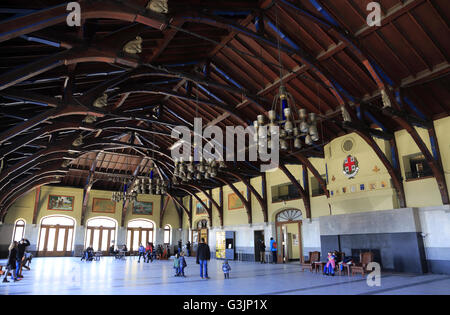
{"type": "Point", "coordinates": [262, 251]}
{"type": "Point", "coordinates": [141, 252]}
{"type": "Point", "coordinates": [180, 245]}
{"type": "Point", "coordinates": [21, 247]}
{"type": "Point", "coordinates": [176, 265]}
{"type": "Point", "coordinates": [182, 265]}
{"type": "Point", "coordinates": [273, 249]}
{"type": "Point", "coordinates": [226, 269]}
{"type": "Point", "coordinates": [203, 255]}
{"type": "Point", "coordinates": [11, 263]}
{"type": "Point", "coordinates": [149, 252]}
{"type": "Point", "coordinates": [188, 248]}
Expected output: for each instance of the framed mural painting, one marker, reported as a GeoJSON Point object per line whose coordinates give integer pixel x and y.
{"type": "Point", "coordinates": [103, 205]}
{"type": "Point", "coordinates": [60, 203]}
{"type": "Point", "coordinates": [143, 208]}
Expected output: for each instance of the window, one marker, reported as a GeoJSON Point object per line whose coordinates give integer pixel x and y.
{"type": "Point", "coordinates": [100, 233]}
{"type": "Point", "coordinates": [285, 192]}
{"type": "Point", "coordinates": [19, 230]}
{"type": "Point", "coordinates": [416, 166]}
{"type": "Point", "coordinates": [167, 234]}
{"type": "Point", "coordinates": [139, 231]}
{"type": "Point", "coordinates": [56, 236]}
{"type": "Point", "coordinates": [316, 188]}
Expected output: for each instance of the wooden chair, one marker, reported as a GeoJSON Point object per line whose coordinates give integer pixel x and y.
{"type": "Point", "coordinates": [364, 260]}
{"type": "Point", "coordinates": [309, 264]}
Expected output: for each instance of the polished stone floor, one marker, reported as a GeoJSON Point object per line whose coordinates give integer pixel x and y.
{"type": "Point", "coordinates": [110, 276]}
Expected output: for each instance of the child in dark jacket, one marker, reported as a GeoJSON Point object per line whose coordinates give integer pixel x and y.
{"type": "Point", "coordinates": [182, 265]}
{"type": "Point", "coordinates": [226, 269]}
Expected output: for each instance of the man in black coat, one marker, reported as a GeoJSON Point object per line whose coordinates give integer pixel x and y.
{"type": "Point", "coordinates": [23, 244]}
{"type": "Point", "coordinates": [203, 255]}
{"type": "Point", "coordinates": [262, 251]}
{"type": "Point", "coordinates": [180, 246]}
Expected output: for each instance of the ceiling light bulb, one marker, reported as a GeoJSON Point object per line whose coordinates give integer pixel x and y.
{"type": "Point", "coordinates": [308, 140]}
{"type": "Point", "coordinates": [304, 127]}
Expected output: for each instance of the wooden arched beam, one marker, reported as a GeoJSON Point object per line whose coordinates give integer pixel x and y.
{"type": "Point", "coordinates": [305, 161]}
{"type": "Point", "coordinates": [395, 174]}
{"type": "Point", "coordinates": [55, 127]}
{"type": "Point", "coordinates": [24, 190]}
{"type": "Point", "coordinates": [247, 204]}
{"type": "Point", "coordinates": [46, 116]}
{"type": "Point", "coordinates": [52, 168]}
{"type": "Point", "coordinates": [303, 192]}
{"type": "Point", "coordinates": [259, 198]}
{"type": "Point", "coordinates": [218, 206]}
{"type": "Point", "coordinates": [168, 92]}
{"type": "Point", "coordinates": [195, 17]}
{"type": "Point", "coordinates": [163, 207]}
{"type": "Point", "coordinates": [43, 159]}
{"type": "Point", "coordinates": [90, 10]}
{"type": "Point", "coordinates": [181, 205]}
{"type": "Point", "coordinates": [207, 208]}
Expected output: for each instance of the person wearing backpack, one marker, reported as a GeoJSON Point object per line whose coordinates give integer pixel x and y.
{"type": "Point", "coordinates": [273, 249]}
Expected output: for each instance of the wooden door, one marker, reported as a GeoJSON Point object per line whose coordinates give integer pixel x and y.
{"type": "Point", "coordinates": [55, 241]}
{"type": "Point", "coordinates": [138, 236]}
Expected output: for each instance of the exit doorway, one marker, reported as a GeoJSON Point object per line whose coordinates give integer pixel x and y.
{"type": "Point", "coordinates": [258, 238]}
{"type": "Point", "coordinates": [288, 232]}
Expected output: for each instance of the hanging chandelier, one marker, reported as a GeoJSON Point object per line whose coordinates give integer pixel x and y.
{"type": "Point", "coordinates": [152, 186]}
{"type": "Point", "coordinates": [293, 124]}
{"type": "Point", "coordinates": [124, 194]}
{"type": "Point", "coordinates": [186, 171]}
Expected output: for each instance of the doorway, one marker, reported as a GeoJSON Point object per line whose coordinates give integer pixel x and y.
{"type": "Point", "coordinates": [258, 238]}
{"type": "Point", "coordinates": [56, 237]}
{"type": "Point", "coordinates": [139, 231]}
{"type": "Point", "coordinates": [100, 234]}
{"type": "Point", "coordinates": [288, 233]}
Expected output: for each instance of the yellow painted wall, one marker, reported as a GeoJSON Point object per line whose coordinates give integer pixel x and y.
{"type": "Point", "coordinates": [23, 207]}
{"type": "Point", "coordinates": [419, 193]}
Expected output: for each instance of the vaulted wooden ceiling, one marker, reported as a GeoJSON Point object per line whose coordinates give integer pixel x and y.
{"type": "Point", "coordinates": [218, 60]}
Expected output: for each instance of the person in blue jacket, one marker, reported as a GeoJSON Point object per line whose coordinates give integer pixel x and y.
{"type": "Point", "coordinates": [141, 251]}
{"type": "Point", "coordinates": [226, 269]}
{"type": "Point", "coordinates": [273, 249]}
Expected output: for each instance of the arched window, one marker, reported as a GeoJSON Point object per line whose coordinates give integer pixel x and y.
{"type": "Point", "coordinates": [100, 233]}
{"type": "Point", "coordinates": [56, 236]}
{"type": "Point", "coordinates": [19, 230]}
{"type": "Point", "coordinates": [139, 231]}
{"type": "Point", "coordinates": [167, 234]}
{"type": "Point", "coordinates": [289, 215]}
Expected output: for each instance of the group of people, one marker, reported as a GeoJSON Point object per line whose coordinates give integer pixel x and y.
{"type": "Point", "coordinates": [273, 250]}
{"type": "Point", "coordinates": [18, 258]}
